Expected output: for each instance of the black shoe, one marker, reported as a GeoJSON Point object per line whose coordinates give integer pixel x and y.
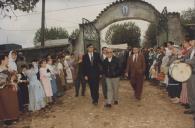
{"type": "Point", "coordinates": [189, 112]}
{"type": "Point", "coordinates": [187, 106]}
{"type": "Point", "coordinates": [115, 102]}
{"type": "Point", "coordinates": [76, 95]}
{"type": "Point", "coordinates": [95, 103]}
{"type": "Point", "coordinates": [108, 105]}
{"type": "Point", "coordinates": [8, 122]}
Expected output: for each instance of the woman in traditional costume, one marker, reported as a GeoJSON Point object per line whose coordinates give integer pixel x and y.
{"type": "Point", "coordinates": [9, 109]}
{"type": "Point", "coordinates": [45, 77]}
{"type": "Point", "coordinates": [36, 92]}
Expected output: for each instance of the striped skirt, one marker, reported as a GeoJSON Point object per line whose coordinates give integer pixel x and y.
{"type": "Point", "coordinates": [184, 94]}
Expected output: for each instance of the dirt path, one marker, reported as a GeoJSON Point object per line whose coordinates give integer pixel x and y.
{"type": "Point", "coordinates": [154, 111]}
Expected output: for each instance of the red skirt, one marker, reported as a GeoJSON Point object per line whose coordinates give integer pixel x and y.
{"type": "Point", "coordinates": [9, 109]}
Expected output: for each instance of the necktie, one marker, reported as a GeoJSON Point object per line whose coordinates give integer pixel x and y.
{"type": "Point", "coordinates": [134, 57]}
{"type": "Point", "coordinates": [92, 59]}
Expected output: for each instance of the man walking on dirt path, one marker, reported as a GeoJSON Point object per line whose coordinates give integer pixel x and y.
{"type": "Point", "coordinates": [136, 70]}
{"type": "Point", "coordinates": [91, 66]}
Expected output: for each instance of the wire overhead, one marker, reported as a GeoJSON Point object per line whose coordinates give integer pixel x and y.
{"type": "Point", "coordinates": [65, 9]}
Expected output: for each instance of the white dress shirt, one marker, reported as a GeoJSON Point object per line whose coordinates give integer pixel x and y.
{"type": "Point", "coordinates": [104, 56]}
{"type": "Point", "coordinates": [109, 59]}
{"type": "Point", "coordinates": [90, 55]}
{"type": "Point", "coordinates": [135, 56]}
{"type": "Point", "coordinates": [192, 53]}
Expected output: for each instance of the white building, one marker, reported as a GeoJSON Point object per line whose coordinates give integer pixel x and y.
{"type": "Point", "coordinates": [56, 42]}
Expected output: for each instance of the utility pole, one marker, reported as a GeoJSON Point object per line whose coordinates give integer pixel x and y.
{"type": "Point", "coordinates": [194, 4]}
{"type": "Point", "coordinates": [43, 25]}
{"type": "Point", "coordinates": [7, 40]}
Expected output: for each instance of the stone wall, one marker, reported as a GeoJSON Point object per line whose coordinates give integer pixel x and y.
{"type": "Point", "coordinates": [175, 29]}
{"type": "Point", "coordinates": [79, 44]}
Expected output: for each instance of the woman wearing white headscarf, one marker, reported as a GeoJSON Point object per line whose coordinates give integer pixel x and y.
{"type": "Point", "coordinates": [67, 66]}
{"type": "Point", "coordinates": [12, 67]}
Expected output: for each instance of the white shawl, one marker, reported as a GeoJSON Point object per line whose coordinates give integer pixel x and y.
{"type": "Point", "coordinates": [12, 64]}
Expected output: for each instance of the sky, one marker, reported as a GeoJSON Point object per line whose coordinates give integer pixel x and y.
{"type": "Point", "coordinates": [68, 14]}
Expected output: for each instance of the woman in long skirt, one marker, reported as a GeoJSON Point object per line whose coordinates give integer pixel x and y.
{"type": "Point", "coordinates": [45, 77]}
{"type": "Point", "coordinates": [184, 95]}
{"type": "Point", "coordinates": [36, 92]}
{"type": "Point", "coordinates": [9, 109]}
{"type": "Point", "coordinates": [53, 77]}
{"type": "Point", "coordinates": [59, 77]}
{"type": "Point", "coordinates": [69, 75]}
{"type": "Point", "coordinates": [174, 87]}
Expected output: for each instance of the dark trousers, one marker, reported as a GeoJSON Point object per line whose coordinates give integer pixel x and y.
{"type": "Point", "coordinates": [23, 96]}
{"type": "Point", "coordinates": [94, 89]}
{"type": "Point", "coordinates": [137, 85]}
{"type": "Point", "coordinates": [80, 81]}
{"type": "Point", "coordinates": [104, 87]}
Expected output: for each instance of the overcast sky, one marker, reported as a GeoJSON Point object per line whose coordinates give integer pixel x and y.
{"type": "Point", "coordinates": [21, 30]}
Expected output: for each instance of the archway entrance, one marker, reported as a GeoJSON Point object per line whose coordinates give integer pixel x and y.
{"type": "Point", "coordinates": [125, 10]}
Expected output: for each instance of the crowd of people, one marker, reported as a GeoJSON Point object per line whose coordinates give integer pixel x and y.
{"type": "Point", "coordinates": [36, 86]}
{"type": "Point", "coordinates": [158, 64]}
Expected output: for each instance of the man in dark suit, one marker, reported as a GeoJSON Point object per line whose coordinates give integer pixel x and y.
{"type": "Point", "coordinates": [127, 54]}
{"type": "Point", "coordinates": [136, 69]}
{"type": "Point", "coordinates": [103, 81]}
{"type": "Point", "coordinates": [91, 66]}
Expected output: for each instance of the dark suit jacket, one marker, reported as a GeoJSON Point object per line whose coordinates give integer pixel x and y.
{"type": "Point", "coordinates": [136, 68]}
{"type": "Point", "coordinates": [187, 55]}
{"type": "Point", "coordinates": [92, 71]}
{"type": "Point", "coordinates": [112, 69]}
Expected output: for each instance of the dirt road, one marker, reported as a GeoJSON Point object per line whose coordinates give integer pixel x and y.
{"type": "Point", "coordinates": [153, 111]}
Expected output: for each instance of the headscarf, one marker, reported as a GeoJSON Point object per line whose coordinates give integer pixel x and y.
{"type": "Point", "coordinates": [12, 67]}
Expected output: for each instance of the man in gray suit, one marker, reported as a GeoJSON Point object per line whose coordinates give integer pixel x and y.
{"type": "Point", "coordinates": [191, 81]}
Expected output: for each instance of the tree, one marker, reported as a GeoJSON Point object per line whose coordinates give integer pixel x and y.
{"type": "Point", "coordinates": [128, 33]}
{"type": "Point", "coordinates": [188, 16]}
{"type": "Point", "coordinates": [150, 37]}
{"type": "Point", "coordinates": [51, 34]}
{"type": "Point", "coordinates": [75, 34]}
{"type": "Point", "coordinates": [9, 6]}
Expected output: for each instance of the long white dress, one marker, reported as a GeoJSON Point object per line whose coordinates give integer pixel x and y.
{"type": "Point", "coordinates": [36, 92]}
{"type": "Point", "coordinates": [69, 77]}
{"type": "Point", "coordinates": [12, 67]}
